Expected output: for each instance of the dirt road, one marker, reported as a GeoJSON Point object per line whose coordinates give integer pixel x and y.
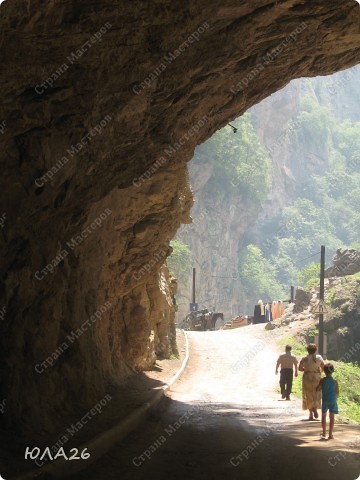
{"type": "Point", "coordinates": [225, 420]}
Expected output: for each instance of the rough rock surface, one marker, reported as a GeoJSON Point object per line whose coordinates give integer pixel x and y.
{"type": "Point", "coordinates": [346, 262]}
{"type": "Point", "coordinates": [155, 98]}
{"type": "Point", "coordinates": [302, 300]}
{"type": "Point", "coordinates": [213, 239]}
{"type": "Point", "coordinates": [343, 321]}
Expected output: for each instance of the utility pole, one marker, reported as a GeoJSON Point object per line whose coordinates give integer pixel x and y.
{"type": "Point", "coordinates": [322, 291]}
{"type": "Point", "coordinates": [193, 304]}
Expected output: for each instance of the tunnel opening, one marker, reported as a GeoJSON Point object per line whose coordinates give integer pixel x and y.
{"type": "Point", "coordinates": [252, 182]}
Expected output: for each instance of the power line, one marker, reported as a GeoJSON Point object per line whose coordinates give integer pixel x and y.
{"type": "Point", "coordinates": [217, 276]}
{"type": "Point", "coordinates": [297, 263]}
{"type": "Point", "coordinates": [307, 258]}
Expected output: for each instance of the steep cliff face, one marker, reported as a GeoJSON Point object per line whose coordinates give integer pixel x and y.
{"type": "Point", "coordinates": [214, 242]}
{"type": "Point", "coordinates": [102, 105]}
{"type": "Point", "coordinates": [276, 125]}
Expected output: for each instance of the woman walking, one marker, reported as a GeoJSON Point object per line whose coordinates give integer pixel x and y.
{"type": "Point", "coordinates": [312, 365]}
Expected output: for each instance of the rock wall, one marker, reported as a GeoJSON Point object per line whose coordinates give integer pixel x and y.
{"type": "Point", "coordinates": [213, 238]}
{"type": "Point", "coordinates": [342, 323]}
{"type": "Point", "coordinates": [102, 105]}
{"type": "Point", "coordinates": [346, 261]}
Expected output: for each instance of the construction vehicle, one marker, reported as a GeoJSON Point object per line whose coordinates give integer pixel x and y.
{"type": "Point", "coordinates": [202, 320]}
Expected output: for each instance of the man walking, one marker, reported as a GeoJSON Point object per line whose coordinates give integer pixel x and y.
{"type": "Point", "coordinates": [287, 361]}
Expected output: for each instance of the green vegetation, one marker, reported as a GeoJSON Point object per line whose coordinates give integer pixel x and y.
{"type": "Point", "coordinates": [174, 356]}
{"type": "Point", "coordinates": [258, 275]}
{"type": "Point", "coordinates": [310, 333]}
{"type": "Point", "coordinates": [309, 275]}
{"type": "Point", "coordinates": [348, 377]}
{"type": "Point", "coordinates": [239, 161]}
{"type": "Point", "coordinates": [330, 297]}
{"type": "Point", "coordinates": [180, 259]}
{"type": "Point", "coordinates": [356, 276]}
{"type": "Point", "coordinates": [327, 210]}
{"type": "Point", "coordinates": [239, 169]}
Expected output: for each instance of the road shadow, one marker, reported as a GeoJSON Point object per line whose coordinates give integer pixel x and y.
{"type": "Point", "coordinates": [203, 440]}
{"type": "Point", "coordinates": [138, 390]}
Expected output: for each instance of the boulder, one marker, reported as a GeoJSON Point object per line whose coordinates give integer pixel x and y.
{"type": "Point", "coordinates": [302, 300]}
{"type": "Point", "coordinates": [346, 261]}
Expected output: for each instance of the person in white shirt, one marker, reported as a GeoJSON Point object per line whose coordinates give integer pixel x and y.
{"type": "Point", "coordinates": [287, 361]}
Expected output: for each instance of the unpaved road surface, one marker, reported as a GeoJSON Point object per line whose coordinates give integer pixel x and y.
{"type": "Point", "coordinates": [225, 420]}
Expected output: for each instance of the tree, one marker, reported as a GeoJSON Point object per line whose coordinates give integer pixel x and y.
{"type": "Point", "coordinates": [312, 125]}
{"type": "Point", "coordinates": [309, 276]}
{"type": "Point", "coordinates": [347, 142]}
{"type": "Point", "coordinates": [258, 275]}
{"type": "Point", "coordinates": [240, 162]}
{"type": "Point", "coordinates": [180, 259]}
